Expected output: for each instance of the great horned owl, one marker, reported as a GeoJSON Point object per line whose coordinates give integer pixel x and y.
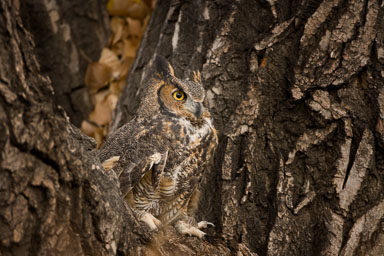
{"type": "Point", "coordinates": [161, 154]}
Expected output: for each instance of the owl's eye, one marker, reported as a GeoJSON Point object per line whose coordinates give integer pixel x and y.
{"type": "Point", "coordinates": [178, 95]}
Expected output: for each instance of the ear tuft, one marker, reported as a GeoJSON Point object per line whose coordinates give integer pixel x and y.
{"type": "Point", "coordinates": [163, 67]}
{"type": "Point", "coordinates": [197, 77]}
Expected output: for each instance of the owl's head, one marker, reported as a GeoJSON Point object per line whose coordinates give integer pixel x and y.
{"type": "Point", "coordinates": [171, 95]}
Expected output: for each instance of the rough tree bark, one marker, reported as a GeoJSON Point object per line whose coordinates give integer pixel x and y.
{"type": "Point", "coordinates": [55, 198]}
{"type": "Point", "coordinates": [67, 35]}
{"type": "Point", "coordinates": [296, 89]}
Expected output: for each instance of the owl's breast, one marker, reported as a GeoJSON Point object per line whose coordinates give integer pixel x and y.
{"type": "Point", "coordinates": [190, 153]}
{"type": "Point", "coordinates": [191, 135]}
{"type": "Point", "coordinates": [189, 150]}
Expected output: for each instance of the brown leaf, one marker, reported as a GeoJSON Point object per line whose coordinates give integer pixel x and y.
{"type": "Point", "coordinates": [111, 101]}
{"type": "Point", "coordinates": [97, 76]}
{"type": "Point", "coordinates": [102, 113]}
{"type": "Point", "coordinates": [95, 131]}
{"type": "Point", "coordinates": [99, 96]}
{"type": "Point", "coordinates": [150, 3]}
{"type": "Point", "coordinates": [135, 27]}
{"type": "Point", "coordinates": [136, 9]}
{"type": "Point", "coordinates": [108, 57]}
{"type": "Point", "coordinates": [126, 66]}
{"type": "Point", "coordinates": [88, 128]}
{"type": "Point", "coordinates": [118, 48]}
{"type": "Point", "coordinates": [117, 26]}
{"type": "Point", "coordinates": [129, 50]}
{"type": "Point", "coordinates": [145, 22]}
{"type": "Point", "coordinates": [117, 87]}
{"type": "Point", "coordinates": [99, 135]}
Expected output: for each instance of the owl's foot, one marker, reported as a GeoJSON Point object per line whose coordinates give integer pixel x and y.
{"type": "Point", "coordinates": [204, 224]}
{"type": "Point", "coordinates": [152, 222]}
{"type": "Point", "coordinates": [188, 229]}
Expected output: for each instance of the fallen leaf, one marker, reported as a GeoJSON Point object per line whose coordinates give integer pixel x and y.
{"type": "Point", "coordinates": [136, 9]}
{"type": "Point", "coordinates": [101, 115]}
{"type": "Point", "coordinates": [112, 101]}
{"type": "Point", "coordinates": [115, 62]}
{"type": "Point", "coordinates": [117, 86]}
{"type": "Point", "coordinates": [150, 3]}
{"type": "Point", "coordinates": [117, 26]}
{"type": "Point", "coordinates": [97, 76]}
{"type": "Point", "coordinates": [88, 128]}
{"type": "Point", "coordinates": [99, 135]}
{"type": "Point", "coordinates": [135, 27]}
{"type": "Point", "coordinates": [108, 57]}
{"type": "Point", "coordinates": [118, 48]}
{"type": "Point", "coordinates": [99, 96]}
{"type": "Point", "coordinates": [126, 66]}
{"type": "Point", "coordinates": [130, 48]}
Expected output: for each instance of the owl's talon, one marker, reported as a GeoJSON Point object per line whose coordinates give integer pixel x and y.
{"type": "Point", "coordinates": [205, 224]}
{"type": "Point", "coordinates": [188, 229]}
{"type": "Point", "coordinates": [152, 222]}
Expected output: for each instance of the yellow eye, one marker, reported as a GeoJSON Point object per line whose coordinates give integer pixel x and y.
{"type": "Point", "coordinates": [178, 95]}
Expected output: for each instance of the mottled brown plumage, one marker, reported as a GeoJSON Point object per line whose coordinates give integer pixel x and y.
{"type": "Point", "coordinates": [161, 155]}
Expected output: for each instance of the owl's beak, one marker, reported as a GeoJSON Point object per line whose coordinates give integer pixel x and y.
{"type": "Point", "coordinates": [198, 111]}
{"type": "Point", "coordinates": [195, 108]}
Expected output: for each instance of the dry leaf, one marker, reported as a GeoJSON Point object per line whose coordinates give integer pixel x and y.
{"type": "Point", "coordinates": [88, 128]}
{"type": "Point", "coordinates": [126, 66]}
{"type": "Point", "coordinates": [135, 27]}
{"type": "Point", "coordinates": [148, 2]}
{"type": "Point", "coordinates": [97, 76]}
{"type": "Point", "coordinates": [145, 22]}
{"type": "Point", "coordinates": [115, 62]}
{"type": "Point", "coordinates": [126, 32]}
{"type": "Point", "coordinates": [99, 136]}
{"type": "Point", "coordinates": [108, 57]}
{"type": "Point", "coordinates": [118, 48]}
{"type": "Point", "coordinates": [117, 26]}
{"type": "Point", "coordinates": [97, 132]}
{"type": "Point", "coordinates": [99, 96]}
{"type": "Point", "coordinates": [129, 50]}
{"type": "Point", "coordinates": [117, 87]}
{"type": "Point", "coordinates": [136, 9]}
{"type": "Point", "coordinates": [112, 101]}
{"type": "Point", "coordinates": [101, 115]}
{"type": "Point", "coordinates": [153, 3]}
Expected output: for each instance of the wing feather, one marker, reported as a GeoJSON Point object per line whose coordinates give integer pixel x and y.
{"type": "Point", "coordinates": [132, 174]}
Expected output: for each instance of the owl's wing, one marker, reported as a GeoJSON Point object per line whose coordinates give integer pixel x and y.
{"type": "Point", "coordinates": [135, 171]}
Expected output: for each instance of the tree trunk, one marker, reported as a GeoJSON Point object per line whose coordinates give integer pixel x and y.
{"type": "Point", "coordinates": [296, 91]}
{"type": "Point", "coordinates": [55, 198]}
{"type": "Point", "coordinates": [67, 36]}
